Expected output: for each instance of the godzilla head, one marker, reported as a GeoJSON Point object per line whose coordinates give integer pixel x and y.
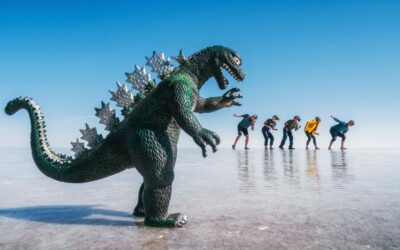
{"type": "Point", "coordinates": [210, 62]}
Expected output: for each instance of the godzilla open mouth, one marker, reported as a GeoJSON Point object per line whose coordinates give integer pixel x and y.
{"type": "Point", "coordinates": [235, 72]}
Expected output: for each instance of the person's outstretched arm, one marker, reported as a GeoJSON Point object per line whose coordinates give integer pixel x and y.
{"type": "Point", "coordinates": [235, 115]}
{"type": "Point", "coordinates": [336, 119]}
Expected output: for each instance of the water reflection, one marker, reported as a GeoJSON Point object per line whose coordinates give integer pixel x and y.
{"type": "Point", "coordinates": [312, 170]}
{"type": "Point", "coordinates": [289, 166]}
{"type": "Point", "coordinates": [245, 171]}
{"type": "Point", "coordinates": [270, 174]}
{"type": "Point", "coordinates": [269, 168]}
{"type": "Point", "coordinates": [340, 168]}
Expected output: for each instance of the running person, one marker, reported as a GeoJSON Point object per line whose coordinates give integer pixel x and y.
{"type": "Point", "coordinates": [311, 130]}
{"type": "Point", "coordinates": [287, 131]}
{"type": "Point", "coordinates": [269, 125]}
{"type": "Point", "coordinates": [243, 126]}
{"type": "Point", "coordinates": [340, 130]}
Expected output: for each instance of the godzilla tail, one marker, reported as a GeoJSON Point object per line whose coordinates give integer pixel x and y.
{"type": "Point", "coordinates": [107, 158]}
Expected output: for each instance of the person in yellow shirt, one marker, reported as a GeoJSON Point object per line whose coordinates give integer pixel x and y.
{"type": "Point", "coordinates": [311, 130]}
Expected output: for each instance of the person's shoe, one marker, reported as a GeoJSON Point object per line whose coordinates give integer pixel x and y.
{"type": "Point", "coordinates": [307, 148]}
{"type": "Point", "coordinates": [271, 147]}
{"type": "Point", "coordinates": [246, 148]}
{"type": "Point", "coordinates": [343, 148]}
{"type": "Point", "coordinates": [316, 148]}
{"type": "Point", "coordinates": [291, 148]}
{"type": "Point", "coordinates": [266, 147]}
{"type": "Point", "coordinates": [281, 147]}
{"type": "Point", "coordinates": [233, 146]}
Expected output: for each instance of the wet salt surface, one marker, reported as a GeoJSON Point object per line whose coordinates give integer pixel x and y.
{"type": "Point", "coordinates": [239, 199]}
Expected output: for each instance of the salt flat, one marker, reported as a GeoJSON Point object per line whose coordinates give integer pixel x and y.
{"type": "Point", "coordinates": [255, 199]}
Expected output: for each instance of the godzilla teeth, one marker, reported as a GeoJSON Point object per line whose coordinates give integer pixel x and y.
{"type": "Point", "coordinates": [226, 67]}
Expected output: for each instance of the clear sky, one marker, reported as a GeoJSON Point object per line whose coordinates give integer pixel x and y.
{"type": "Point", "coordinates": [302, 58]}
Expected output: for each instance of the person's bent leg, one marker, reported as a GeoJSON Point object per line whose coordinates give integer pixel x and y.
{"type": "Point", "coordinates": [334, 135]}
{"type": "Point", "coordinates": [265, 134]}
{"type": "Point", "coordinates": [308, 139]}
{"type": "Point", "coordinates": [290, 134]}
{"type": "Point", "coordinates": [283, 139]}
{"type": "Point", "coordinates": [246, 141]}
{"type": "Point", "coordinates": [331, 143]}
{"type": "Point", "coordinates": [237, 137]}
{"type": "Point", "coordinates": [236, 140]}
{"type": "Point", "coordinates": [342, 143]}
{"type": "Point", "coordinates": [314, 141]}
{"type": "Point", "coordinates": [271, 138]}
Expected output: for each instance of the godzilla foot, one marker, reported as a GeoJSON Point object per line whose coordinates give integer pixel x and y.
{"type": "Point", "coordinates": [173, 220]}
{"type": "Point", "coordinates": [138, 211]}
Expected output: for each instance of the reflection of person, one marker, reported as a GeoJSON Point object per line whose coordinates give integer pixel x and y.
{"type": "Point", "coordinates": [312, 168]}
{"type": "Point", "coordinates": [311, 130]}
{"type": "Point", "coordinates": [243, 126]}
{"type": "Point", "coordinates": [269, 125]}
{"type": "Point", "coordinates": [340, 130]}
{"type": "Point", "coordinates": [287, 131]}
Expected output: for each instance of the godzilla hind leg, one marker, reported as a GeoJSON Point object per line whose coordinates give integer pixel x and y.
{"type": "Point", "coordinates": [154, 159]}
{"type": "Point", "coordinates": [139, 209]}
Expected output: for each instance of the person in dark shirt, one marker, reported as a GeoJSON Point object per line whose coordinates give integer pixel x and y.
{"type": "Point", "coordinates": [243, 126]}
{"type": "Point", "coordinates": [287, 131]}
{"type": "Point", "coordinates": [340, 130]}
{"type": "Point", "coordinates": [269, 125]}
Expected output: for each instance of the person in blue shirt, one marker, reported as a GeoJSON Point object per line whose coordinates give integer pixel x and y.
{"type": "Point", "coordinates": [269, 125]}
{"type": "Point", "coordinates": [340, 130]}
{"type": "Point", "coordinates": [243, 126]}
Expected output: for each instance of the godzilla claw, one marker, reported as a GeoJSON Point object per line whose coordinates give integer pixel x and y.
{"type": "Point", "coordinates": [216, 137]}
{"type": "Point", "coordinates": [228, 99]}
{"type": "Point", "coordinates": [207, 137]}
{"type": "Point", "coordinates": [230, 92]}
{"type": "Point", "coordinates": [236, 103]}
{"type": "Point", "coordinates": [178, 219]}
{"type": "Point", "coordinates": [203, 151]}
{"type": "Point", "coordinates": [173, 220]}
{"type": "Point", "coordinates": [138, 211]}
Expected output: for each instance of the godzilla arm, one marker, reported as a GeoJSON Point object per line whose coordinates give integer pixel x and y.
{"type": "Point", "coordinates": [215, 103]}
{"type": "Point", "coordinates": [184, 97]}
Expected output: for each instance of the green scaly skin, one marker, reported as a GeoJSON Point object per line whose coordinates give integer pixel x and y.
{"type": "Point", "coordinates": [147, 139]}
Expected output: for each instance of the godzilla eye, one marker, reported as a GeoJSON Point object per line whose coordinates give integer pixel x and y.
{"type": "Point", "coordinates": [237, 60]}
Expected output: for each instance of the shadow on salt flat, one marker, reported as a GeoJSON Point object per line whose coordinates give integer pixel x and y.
{"type": "Point", "coordinates": [76, 215]}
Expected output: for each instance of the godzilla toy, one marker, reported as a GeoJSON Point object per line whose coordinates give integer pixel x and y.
{"type": "Point", "coordinates": [147, 137]}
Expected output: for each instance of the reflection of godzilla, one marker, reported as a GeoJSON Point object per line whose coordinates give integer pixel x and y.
{"type": "Point", "coordinates": [147, 138]}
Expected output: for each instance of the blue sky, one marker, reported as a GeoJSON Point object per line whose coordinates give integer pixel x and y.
{"type": "Point", "coordinates": [302, 58]}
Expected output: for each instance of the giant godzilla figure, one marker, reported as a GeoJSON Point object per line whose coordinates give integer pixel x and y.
{"type": "Point", "coordinates": [147, 138]}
